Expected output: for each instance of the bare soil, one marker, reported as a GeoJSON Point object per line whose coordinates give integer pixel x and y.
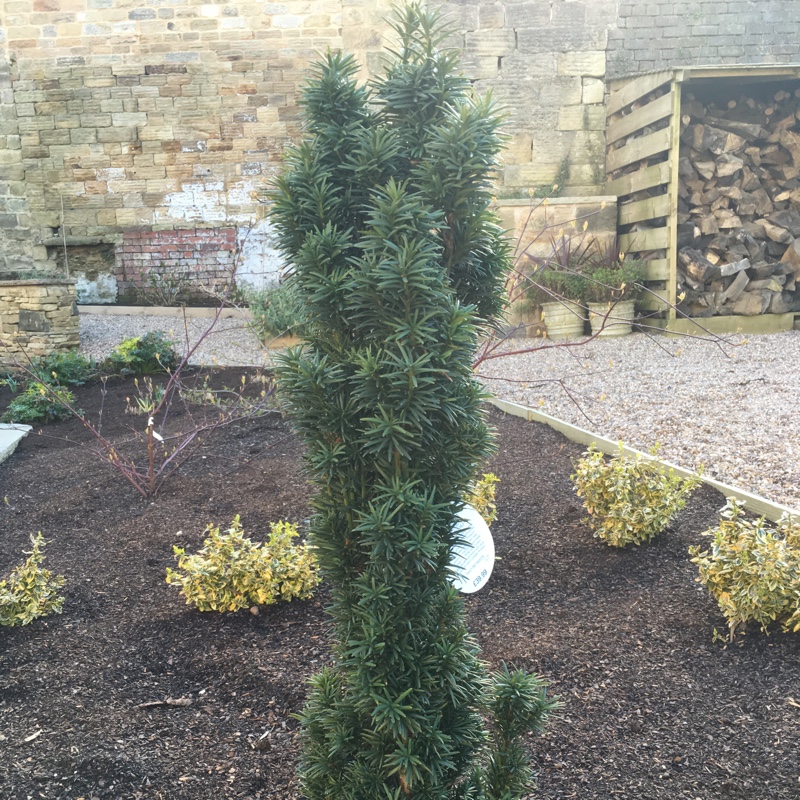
{"type": "Point", "coordinates": [653, 708]}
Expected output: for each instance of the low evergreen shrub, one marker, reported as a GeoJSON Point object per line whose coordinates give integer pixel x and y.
{"type": "Point", "coordinates": [629, 500]}
{"type": "Point", "coordinates": [752, 570]}
{"type": "Point", "coordinates": [39, 404]}
{"type": "Point", "coordinates": [231, 572]}
{"type": "Point", "coordinates": [278, 311]}
{"type": "Point", "coordinates": [64, 369]}
{"type": "Point", "coordinates": [141, 355]}
{"type": "Point", "coordinates": [30, 591]}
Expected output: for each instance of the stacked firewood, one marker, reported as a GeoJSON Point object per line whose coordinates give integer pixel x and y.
{"type": "Point", "coordinates": [739, 206]}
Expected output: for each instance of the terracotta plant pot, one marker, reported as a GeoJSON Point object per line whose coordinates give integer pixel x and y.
{"type": "Point", "coordinates": [564, 319]}
{"type": "Point", "coordinates": [609, 319]}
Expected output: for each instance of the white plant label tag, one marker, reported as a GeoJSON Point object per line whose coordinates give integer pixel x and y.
{"type": "Point", "coordinates": [472, 561]}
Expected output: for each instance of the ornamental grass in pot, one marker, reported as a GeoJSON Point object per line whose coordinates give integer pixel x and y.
{"type": "Point", "coordinates": [611, 289]}
{"type": "Point", "coordinates": [556, 290]}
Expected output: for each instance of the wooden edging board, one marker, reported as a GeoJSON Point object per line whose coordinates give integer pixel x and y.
{"type": "Point", "coordinates": [191, 312]}
{"type": "Point", "coordinates": [752, 502]}
{"type": "Point", "coordinates": [758, 324]}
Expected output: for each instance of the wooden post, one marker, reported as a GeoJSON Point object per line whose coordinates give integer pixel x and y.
{"type": "Point", "coordinates": [672, 217]}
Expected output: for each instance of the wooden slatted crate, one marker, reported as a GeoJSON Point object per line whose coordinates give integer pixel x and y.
{"type": "Point", "coordinates": [643, 140]}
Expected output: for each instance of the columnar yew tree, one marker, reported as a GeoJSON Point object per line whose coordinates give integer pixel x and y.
{"type": "Point", "coordinates": [383, 212]}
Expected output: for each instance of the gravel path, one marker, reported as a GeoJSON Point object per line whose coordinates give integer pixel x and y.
{"type": "Point", "coordinates": [230, 344]}
{"type": "Point", "coordinates": [732, 408]}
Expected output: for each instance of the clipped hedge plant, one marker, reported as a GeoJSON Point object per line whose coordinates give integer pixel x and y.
{"type": "Point", "coordinates": [231, 572]}
{"type": "Point", "coordinates": [752, 570]}
{"type": "Point", "coordinates": [629, 500]}
{"type": "Point", "coordinates": [30, 591]}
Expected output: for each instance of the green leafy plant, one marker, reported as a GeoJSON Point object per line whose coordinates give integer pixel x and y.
{"type": "Point", "coordinates": [383, 212]}
{"type": "Point", "coordinates": [231, 572]}
{"type": "Point", "coordinates": [611, 276]}
{"type": "Point", "coordinates": [141, 355]}
{"type": "Point", "coordinates": [481, 496]}
{"type": "Point", "coordinates": [30, 591]}
{"type": "Point", "coordinates": [629, 500]}
{"type": "Point", "coordinates": [148, 397]}
{"type": "Point", "coordinates": [752, 570]}
{"type": "Point", "coordinates": [39, 404]}
{"type": "Point", "coordinates": [64, 369]}
{"type": "Point", "coordinates": [278, 310]}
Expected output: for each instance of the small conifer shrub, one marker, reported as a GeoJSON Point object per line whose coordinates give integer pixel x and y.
{"type": "Point", "coordinates": [383, 212]}
{"type": "Point", "coordinates": [752, 570]}
{"type": "Point", "coordinates": [30, 591]}
{"type": "Point", "coordinates": [629, 500]}
{"type": "Point", "coordinates": [231, 572]}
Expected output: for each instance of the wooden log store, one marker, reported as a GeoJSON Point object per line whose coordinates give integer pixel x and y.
{"type": "Point", "coordinates": [705, 162]}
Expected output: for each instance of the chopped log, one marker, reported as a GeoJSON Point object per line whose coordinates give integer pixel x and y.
{"type": "Point", "coordinates": [726, 270]}
{"type": "Point", "coordinates": [745, 130]}
{"type": "Point", "coordinates": [775, 232]}
{"type": "Point", "coordinates": [727, 165]}
{"type": "Point", "coordinates": [770, 284]}
{"type": "Point", "coordinates": [738, 285]}
{"type": "Point", "coordinates": [750, 181]}
{"type": "Point", "coordinates": [697, 265]}
{"type": "Point", "coordinates": [788, 219]}
{"type": "Point", "coordinates": [791, 258]}
{"type": "Point", "coordinates": [751, 304]}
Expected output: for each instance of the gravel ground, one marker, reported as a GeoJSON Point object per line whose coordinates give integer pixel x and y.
{"type": "Point", "coordinates": [731, 407]}
{"type": "Point", "coordinates": [728, 405]}
{"type": "Point", "coordinates": [230, 344]}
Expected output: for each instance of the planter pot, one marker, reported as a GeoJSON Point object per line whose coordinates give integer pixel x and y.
{"type": "Point", "coordinates": [611, 320]}
{"type": "Point", "coordinates": [564, 319]}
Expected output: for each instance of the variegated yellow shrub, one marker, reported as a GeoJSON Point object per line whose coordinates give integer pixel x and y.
{"type": "Point", "coordinates": [481, 497]}
{"type": "Point", "coordinates": [231, 572]}
{"type": "Point", "coordinates": [752, 570]}
{"type": "Point", "coordinates": [30, 591]}
{"type": "Point", "coordinates": [629, 499]}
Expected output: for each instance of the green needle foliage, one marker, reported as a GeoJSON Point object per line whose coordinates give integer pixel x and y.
{"type": "Point", "coordinates": [383, 212]}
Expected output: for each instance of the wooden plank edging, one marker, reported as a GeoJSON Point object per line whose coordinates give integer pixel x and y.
{"type": "Point", "coordinates": [752, 502]}
{"type": "Point", "coordinates": [192, 312]}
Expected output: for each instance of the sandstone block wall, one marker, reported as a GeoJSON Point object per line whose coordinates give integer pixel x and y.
{"type": "Point", "coordinates": [122, 117]}
{"type": "Point", "coordinates": [545, 63]}
{"type": "Point", "coordinates": [37, 317]}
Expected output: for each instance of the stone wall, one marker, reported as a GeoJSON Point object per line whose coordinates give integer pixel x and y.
{"type": "Point", "coordinates": [545, 63]}
{"type": "Point", "coordinates": [168, 115]}
{"type": "Point", "coordinates": [121, 117]}
{"type": "Point", "coordinates": [16, 243]}
{"type": "Point", "coordinates": [657, 35]}
{"type": "Point", "coordinates": [37, 317]}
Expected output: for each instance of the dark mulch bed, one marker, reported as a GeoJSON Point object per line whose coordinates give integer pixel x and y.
{"type": "Point", "coordinates": [653, 708]}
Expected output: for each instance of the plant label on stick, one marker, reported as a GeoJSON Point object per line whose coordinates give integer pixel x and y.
{"type": "Point", "coordinates": [473, 559]}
